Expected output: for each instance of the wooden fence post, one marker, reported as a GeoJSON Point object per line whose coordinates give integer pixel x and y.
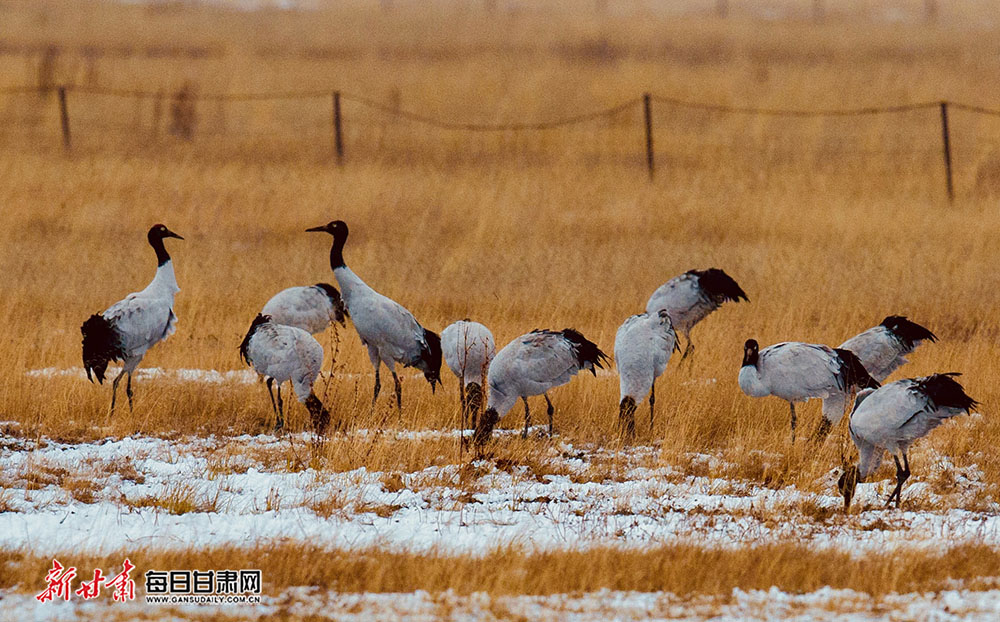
{"type": "Point", "coordinates": [931, 10]}
{"type": "Point", "coordinates": [338, 136]}
{"type": "Point", "coordinates": [647, 106]}
{"type": "Point", "coordinates": [819, 10]}
{"type": "Point", "coordinates": [64, 117]}
{"type": "Point", "coordinates": [946, 145]}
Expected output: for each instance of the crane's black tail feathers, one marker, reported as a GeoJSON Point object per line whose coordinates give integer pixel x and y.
{"type": "Point", "coordinates": [430, 358]}
{"type": "Point", "coordinates": [720, 285]}
{"type": "Point", "coordinates": [245, 344]}
{"type": "Point", "coordinates": [946, 392]}
{"type": "Point", "coordinates": [587, 352]}
{"type": "Point", "coordinates": [320, 415]}
{"type": "Point", "coordinates": [855, 374]}
{"type": "Point", "coordinates": [906, 331]}
{"type": "Point", "coordinates": [101, 345]}
{"type": "Point", "coordinates": [339, 310]}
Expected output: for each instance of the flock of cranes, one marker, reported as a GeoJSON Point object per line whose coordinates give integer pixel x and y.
{"type": "Point", "coordinates": [281, 347]}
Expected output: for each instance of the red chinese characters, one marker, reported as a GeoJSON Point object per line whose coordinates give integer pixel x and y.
{"type": "Point", "coordinates": [60, 583]}
{"type": "Point", "coordinates": [60, 580]}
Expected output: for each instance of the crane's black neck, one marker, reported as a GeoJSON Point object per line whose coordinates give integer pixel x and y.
{"type": "Point", "coordinates": [337, 251]}
{"type": "Point", "coordinates": [162, 256]}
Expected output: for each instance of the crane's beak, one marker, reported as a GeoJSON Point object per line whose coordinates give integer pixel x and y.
{"type": "Point", "coordinates": [171, 234]}
{"type": "Point", "coordinates": [320, 229]}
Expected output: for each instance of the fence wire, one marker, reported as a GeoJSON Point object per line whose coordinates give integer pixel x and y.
{"type": "Point", "coordinates": [186, 98]}
{"type": "Point", "coordinates": [500, 127]}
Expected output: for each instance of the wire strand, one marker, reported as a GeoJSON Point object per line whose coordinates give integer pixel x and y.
{"type": "Point", "coordinates": [491, 127]}
{"type": "Point", "coordinates": [778, 112]}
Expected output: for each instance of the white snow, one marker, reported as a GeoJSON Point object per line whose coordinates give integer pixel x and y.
{"type": "Point", "coordinates": [226, 491]}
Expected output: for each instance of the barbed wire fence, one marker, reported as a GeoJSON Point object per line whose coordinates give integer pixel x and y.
{"type": "Point", "coordinates": [184, 99]}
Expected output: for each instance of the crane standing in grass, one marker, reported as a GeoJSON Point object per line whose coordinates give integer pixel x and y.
{"type": "Point", "coordinates": [883, 349]}
{"type": "Point", "coordinates": [390, 332]}
{"type": "Point", "coordinates": [692, 296]}
{"type": "Point", "coordinates": [126, 330]}
{"type": "Point", "coordinates": [312, 308]}
{"type": "Point", "coordinates": [468, 348]}
{"type": "Point", "coordinates": [286, 354]}
{"type": "Point", "coordinates": [892, 418]}
{"type": "Point", "coordinates": [643, 346]}
{"type": "Point", "coordinates": [531, 365]}
{"type": "Point", "coordinates": [796, 372]}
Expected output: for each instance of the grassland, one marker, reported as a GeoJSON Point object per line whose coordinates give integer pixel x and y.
{"type": "Point", "coordinates": [829, 224]}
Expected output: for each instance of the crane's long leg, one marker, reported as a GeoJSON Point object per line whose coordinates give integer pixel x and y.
{"type": "Point", "coordinates": [378, 386]}
{"type": "Point", "coordinates": [281, 412]}
{"type": "Point", "coordinates": [114, 389]}
{"type": "Point", "coordinates": [128, 391]}
{"type": "Point", "coordinates": [902, 474]}
{"type": "Point", "coordinates": [689, 348]}
{"type": "Point", "coordinates": [550, 410]}
{"type": "Point", "coordinates": [270, 391]}
{"type": "Point", "coordinates": [652, 400]}
{"type": "Point", "coordinates": [399, 390]}
{"type": "Point", "coordinates": [527, 417]}
{"type": "Point", "coordinates": [376, 363]}
{"type": "Point", "coordinates": [626, 417]}
{"type": "Point", "coordinates": [823, 430]}
{"type": "Point", "coordinates": [461, 400]}
{"type": "Point", "coordinates": [791, 405]}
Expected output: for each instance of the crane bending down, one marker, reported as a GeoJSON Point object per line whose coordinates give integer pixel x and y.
{"type": "Point", "coordinates": [130, 327]}
{"type": "Point", "coordinates": [309, 307]}
{"type": "Point", "coordinates": [468, 348]}
{"type": "Point", "coordinates": [643, 345]}
{"type": "Point", "coordinates": [692, 296]}
{"type": "Point", "coordinates": [531, 365]}
{"type": "Point", "coordinates": [892, 418]}
{"type": "Point", "coordinates": [286, 354]}
{"type": "Point", "coordinates": [883, 349]}
{"type": "Point", "coordinates": [796, 372]}
{"type": "Point", "coordinates": [390, 332]}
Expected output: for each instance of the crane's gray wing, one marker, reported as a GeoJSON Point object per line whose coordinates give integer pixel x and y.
{"type": "Point", "coordinates": [811, 368]}
{"type": "Point", "coordinates": [683, 300]}
{"type": "Point", "coordinates": [142, 321]}
{"type": "Point", "coordinates": [878, 350]}
{"type": "Point", "coordinates": [304, 307]}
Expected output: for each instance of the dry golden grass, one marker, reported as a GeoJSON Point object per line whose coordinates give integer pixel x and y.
{"type": "Point", "coordinates": [679, 569]}
{"type": "Point", "coordinates": [829, 225]}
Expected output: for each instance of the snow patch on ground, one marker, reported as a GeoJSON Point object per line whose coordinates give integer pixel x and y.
{"type": "Point", "coordinates": [250, 490]}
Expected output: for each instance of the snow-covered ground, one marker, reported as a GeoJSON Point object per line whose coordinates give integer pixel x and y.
{"type": "Point", "coordinates": [198, 492]}
{"type": "Point", "coordinates": [306, 603]}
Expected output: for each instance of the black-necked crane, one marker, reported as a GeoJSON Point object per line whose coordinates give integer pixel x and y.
{"type": "Point", "coordinates": [282, 354]}
{"type": "Point", "coordinates": [892, 418]}
{"type": "Point", "coordinates": [883, 349]}
{"type": "Point", "coordinates": [692, 296]}
{"type": "Point", "coordinates": [468, 348]}
{"type": "Point", "coordinates": [130, 327]}
{"type": "Point", "coordinates": [643, 345]}
{"type": "Point", "coordinates": [309, 307]}
{"type": "Point", "coordinates": [531, 365]}
{"type": "Point", "coordinates": [390, 332]}
{"type": "Point", "coordinates": [796, 372]}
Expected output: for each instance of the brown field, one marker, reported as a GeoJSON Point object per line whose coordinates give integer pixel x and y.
{"type": "Point", "coordinates": [829, 224]}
